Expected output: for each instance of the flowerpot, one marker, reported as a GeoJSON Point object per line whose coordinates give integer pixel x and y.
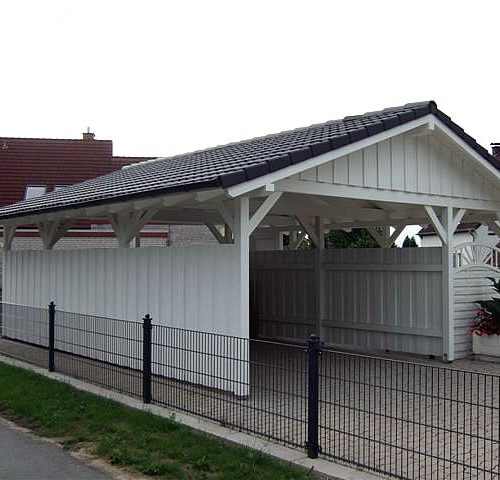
{"type": "Point", "coordinates": [486, 345]}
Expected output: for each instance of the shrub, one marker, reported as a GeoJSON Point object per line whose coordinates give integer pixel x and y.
{"type": "Point", "coordinates": [488, 314]}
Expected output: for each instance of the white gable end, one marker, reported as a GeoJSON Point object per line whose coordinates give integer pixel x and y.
{"type": "Point", "coordinates": [427, 164]}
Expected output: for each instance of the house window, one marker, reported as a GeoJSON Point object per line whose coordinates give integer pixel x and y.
{"type": "Point", "coordinates": [33, 191]}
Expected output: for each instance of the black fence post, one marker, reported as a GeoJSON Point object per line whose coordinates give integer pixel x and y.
{"type": "Point", "coordinates": [313, 351]}
{"type": "Point", "coordinates": [52, 321]}
{"type": "Point", "coordinates": [146, 359]}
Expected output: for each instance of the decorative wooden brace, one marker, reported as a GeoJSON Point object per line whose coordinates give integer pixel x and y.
{"type": "Point", "coordinates": [8, 235]}
{"type": "Point", "coordinates": [128, 224]}
{"type": "Point", "coordinates": [52, 231]}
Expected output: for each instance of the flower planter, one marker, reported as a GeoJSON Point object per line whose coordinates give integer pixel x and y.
{"type": "Point", "coordinates": [486, 345]}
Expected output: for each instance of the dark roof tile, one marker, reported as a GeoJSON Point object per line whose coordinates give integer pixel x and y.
{"type": "Point", "coordinates": [406, 116]}
{"type": "Point", "coordinates": [357, 134]}
{"type": "Point", "coordinates": [321, 147]}
{"type": "Point", "coordinates": [375, 127]}
{"type": "Point", "coordinates": [257, 170]}
{"type": "Point", "coordinates": [233, 178]}
{"type": "Point", "coordinates": [390, 122]}
{"type": "Point", "coordinates": [340, 141]}
{"type": "Point", "coordinates": [279, 162]}
{"type": "Point", "coordinates": [300, 155]}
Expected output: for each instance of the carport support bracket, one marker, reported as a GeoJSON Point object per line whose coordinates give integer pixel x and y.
{"type": "Point", "coordinates": [8, 235]}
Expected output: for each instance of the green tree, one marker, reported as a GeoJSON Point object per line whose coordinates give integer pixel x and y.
{"type": "Point", "coordinates": [356, 238]}
{"type": "Point", "coordinates": [409, 242]}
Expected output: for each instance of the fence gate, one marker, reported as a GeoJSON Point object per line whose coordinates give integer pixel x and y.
{"type": "Point", "coordinates": [474, 264]}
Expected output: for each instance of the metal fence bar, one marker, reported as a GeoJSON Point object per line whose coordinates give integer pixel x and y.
{"type": "Point", "coordinates": [146, 359]}
{"type": "Point", "coordinates": [313, 352]}
{"type": "Point", "coordinates": [52, 321]}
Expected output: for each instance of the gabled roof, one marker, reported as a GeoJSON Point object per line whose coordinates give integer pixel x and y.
{"type": "Point", "coordinates": [232, 164]}
{"type": "Point", "coordinates": [461, 228]}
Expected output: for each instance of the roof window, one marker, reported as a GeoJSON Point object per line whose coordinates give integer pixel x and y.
{"type": "Point", "coordinates": [33, 191]}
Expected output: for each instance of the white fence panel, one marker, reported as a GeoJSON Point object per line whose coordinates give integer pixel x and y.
{"type": "Point", "coordinates": [387, 299]}
{"type": "Point", "coordinates": [282, 294]}
{"type": "Point", "coordinates": [190, 288]}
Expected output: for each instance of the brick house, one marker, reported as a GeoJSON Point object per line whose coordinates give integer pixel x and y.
{"type": "Point", "coordinates": [30, 167]}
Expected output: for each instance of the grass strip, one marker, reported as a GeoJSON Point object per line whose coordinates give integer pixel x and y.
{"type": "Point", "coordinates": [126, 437]}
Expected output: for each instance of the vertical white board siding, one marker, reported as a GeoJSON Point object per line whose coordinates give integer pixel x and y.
{"type": "Point", "coordinates": [435, 169]}
{"type": "Point", "coordinates": [398, 163]}
{"type": "Point", "coordinates": [190, 288]}
{"type": "Point", "coordinates": [325, 173]}
{"type": "Point", "coordinates": [390, 299]}
{"type": "Point", "coordinates": [423, 164]}
{"type": "Point", "coordinates": [374, 298]}
{"type": "Point", "coordinates": [384, 164]}
{"type": "Point", "coordinates": [341, 170]}
{"type": "Point", "coordinates": [356, 168]}
{"type": "Point", "coordinates": [471, 285]}
{"type": "Point", "coordinates": [370, 166]}
{"type": "Point", "coordinates": [408, 163]}
{"type": "Point", "coordinates": [283, 294]}
{"type": "Point", "coordinates": [175, 285]}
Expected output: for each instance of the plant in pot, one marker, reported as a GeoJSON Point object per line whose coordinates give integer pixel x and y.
{"type": "Point", "coordinates": [486, 327]}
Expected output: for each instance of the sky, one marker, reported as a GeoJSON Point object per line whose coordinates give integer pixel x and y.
{"type": "Point", "coordinates": [166, 77]}
{"type": "Point", "coordinates": [161, 78]}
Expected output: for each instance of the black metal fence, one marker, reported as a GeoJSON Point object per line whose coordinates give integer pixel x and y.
{"type": "Point", "coordinates": [399, 418]}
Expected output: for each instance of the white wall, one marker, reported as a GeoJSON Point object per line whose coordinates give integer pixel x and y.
{"type": "Point", "coordinates": [482, 235]}
{"type": "Point", "coordinates": [373, 298]}
{"type": "Point", "coordinates": [435, 241]}
{"type": "Point", "coordinates": [191, 288]}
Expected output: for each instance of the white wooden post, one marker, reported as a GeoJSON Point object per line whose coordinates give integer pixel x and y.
{"type": "Point", "coordinates": [241, 232]}
{"type": "Point", "coordinates": [242, 245]}
{"type": "Point", "coordinates": [319, 225]}
{"type": "Point", "coordinates": [445, 229]}
{"type": "Point", "coordinates": [448, 313]}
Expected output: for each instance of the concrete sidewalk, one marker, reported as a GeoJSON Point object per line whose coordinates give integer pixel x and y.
{"type": "Point", "coordinates": [26, 457]}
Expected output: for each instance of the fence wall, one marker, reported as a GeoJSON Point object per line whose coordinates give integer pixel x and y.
{"type": "Point", "coordinates": [191, 288]}
{"type": "Point", "coordinates": [373, 298]}
{"type": "Point", "coordinates": [179, 287]}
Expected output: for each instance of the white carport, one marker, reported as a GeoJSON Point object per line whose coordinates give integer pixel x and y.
{"type": "Point", "coordinates": [416, 166]}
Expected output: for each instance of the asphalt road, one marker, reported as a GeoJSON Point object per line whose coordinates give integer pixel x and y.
{"type": "Point", "coordinates": [25, 457]}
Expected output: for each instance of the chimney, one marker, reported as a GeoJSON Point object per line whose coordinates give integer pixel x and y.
{"type": "Point", "coordinates": [88, 136]}
{"type": "Point", "coordinates": [495, 150]}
